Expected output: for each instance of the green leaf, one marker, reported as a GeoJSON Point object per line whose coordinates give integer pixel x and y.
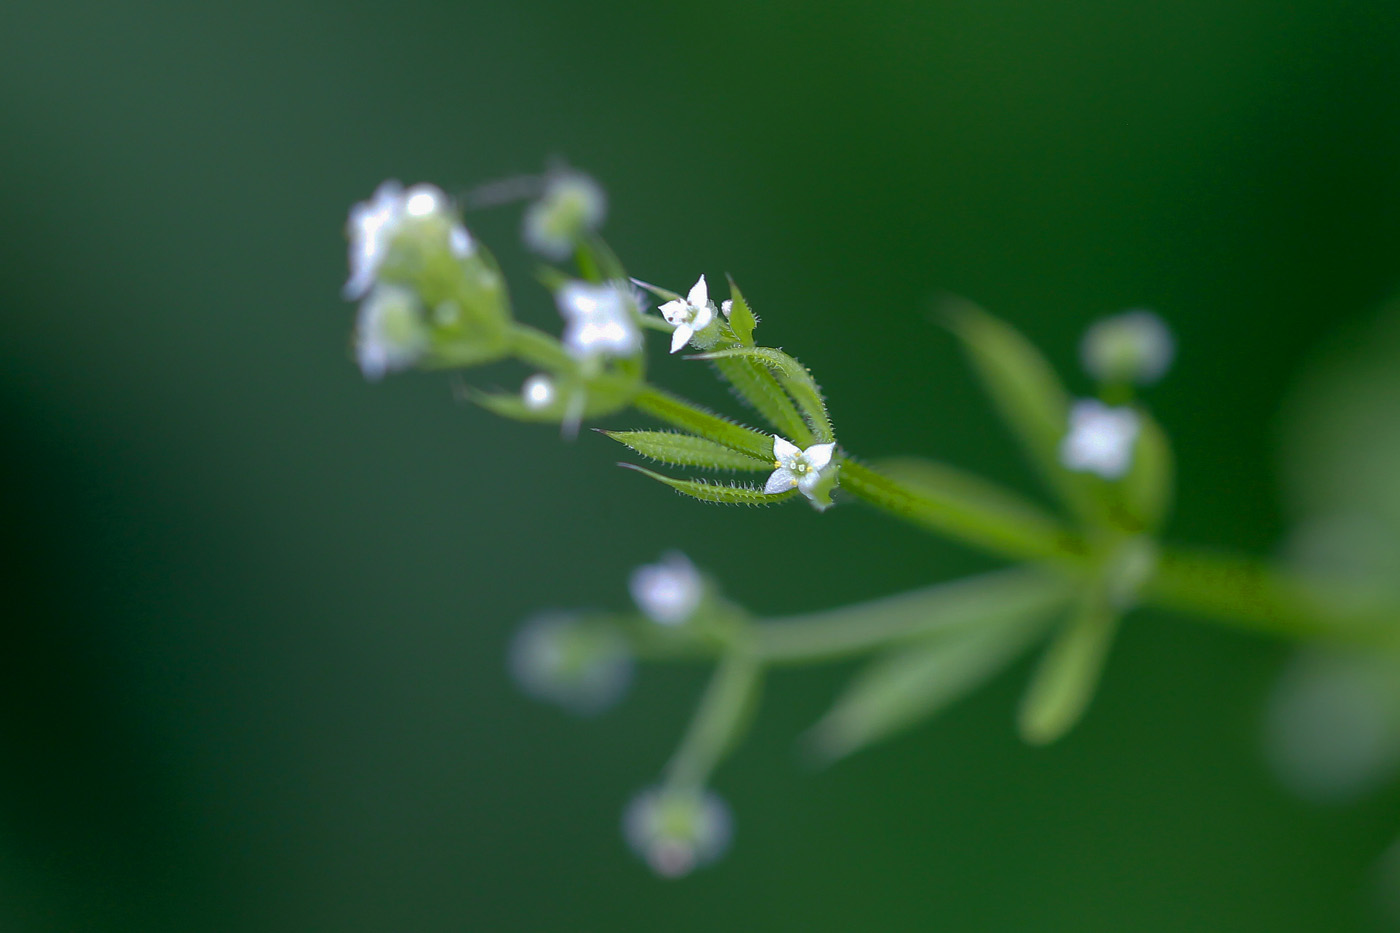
{"type": "Point", "coordinates": [1027, 394]}
{"type": "Point", "coordinates": [597, 263]}
{"type": "Point", "coordinates": [913, 683]}
{"type": "Point", "coordinates": [972, 602]}
{"type": "Point", "coordinates": [1146, 491]}
{"type": "Point", "coordinates": [742, 320]}
{"type": "Point", "coordinates": [759, 387]}
{"type": "Point", "coordinates": [793, 376]}
{"type": "Point", "coordinates": [693, 419]}
{"type": "Point", "coordinates": [687, 450]}
{"type": "Point", "coordinates": [723, 493]}
{"type": "Point", "coordinates": [511, 405]}
{"type": "Point", "coordinates": [1069, 671]}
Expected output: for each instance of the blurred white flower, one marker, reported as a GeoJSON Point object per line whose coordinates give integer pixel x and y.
{"type": "Point", "coordinates": [669, 591]}
{"type": "Point", "coordinates": [538, 392]}
{"type": "Point", "coordinates": [690, 316]}
{"type": "Point", "coordinates": [797, 467]}
{"type": "Point", "coordinates": [1100, 439]}
{"type": "Point", "coordinates": [374, 223]}
{"type": "Point", "coordinates": [1135, 346]}
{"type": "Point", "coordinates": [600, 320]}
{"type": "Point", "coordinates": [572, 205]}
{"type": "Point", "coordinates": [584, 667]}
{"type": "Point", "coordinates": [677, 831]}
{"type": "Point", "coordinates": [390, 333]}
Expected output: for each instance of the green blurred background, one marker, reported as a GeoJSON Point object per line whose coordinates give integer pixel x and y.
{"type": "Point", "coordinates": [252, 675]}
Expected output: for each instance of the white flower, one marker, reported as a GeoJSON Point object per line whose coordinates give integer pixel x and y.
{"type": "Point", "coordinates": [669, 591]}
{"type": "Point", "coordinates": [1135, 346]}
{"type": "Point", "coordinates": [538, 392]}
{"type": "Point", "coordinates": [390, 334]}
{"type": "Point", "coordinates": [1100, 439]}
{"type": "Point", "coordinates": [796, 467]}
{"type": "Point", "coordinates": [600, 320]}
{"type": "Point", "coordinates": [677, 831]}
{"type": "Point", "coordinates": [374, 223]}
{"type": "Point", "coordinates": [572, 204]}
{"type": "Point", "coordinates": [690, 316]}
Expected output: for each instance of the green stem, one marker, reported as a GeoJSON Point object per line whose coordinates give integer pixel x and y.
{"type": "Point", "coordinates": [720, 720]}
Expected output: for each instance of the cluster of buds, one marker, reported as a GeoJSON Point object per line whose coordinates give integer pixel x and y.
{"type": "Point", "coordinates": [583, 664]}
{"type": "Point", "coordinates": [429, 294]}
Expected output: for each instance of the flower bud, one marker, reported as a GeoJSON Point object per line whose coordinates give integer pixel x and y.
{"type": "Point", "coordinates": [391, 333]}
{"type": "Point", "coordinates": [538, 392]}
{"type": "Point", "coordinates": [571, 206]}
{"type": "Point", "coordinates": [670, 591]}
{"type": "Point", "coordinates": [1100, 439]}
{"type": "Point", "coordinates": [1133, 347]}
{"type": "Point", "coordinates": [584, 666]}
{"type": "Point", "coordinates": [677, 831]}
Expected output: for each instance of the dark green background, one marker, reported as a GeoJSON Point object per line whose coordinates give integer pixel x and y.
{"type": "Point", "coordinates": [255, 609]}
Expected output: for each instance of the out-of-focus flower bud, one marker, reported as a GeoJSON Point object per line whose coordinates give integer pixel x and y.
{"type": "Point", "coordinates": [669, 592]}
{"type": "Point", "coordinates": [538, 392]}
{"type": "Point", "coordinates": [1135, 347]}
{"type": "Point", "coordinates": [391, 333]}
{"type": "Point", "coordinates": [582, 665]}
{"type": "Point", "coordinates": [572, 205]}
{"type": "Point", "coordinates": [677, 831]}
{"type": "Point", "coordinates": [1100, 439]}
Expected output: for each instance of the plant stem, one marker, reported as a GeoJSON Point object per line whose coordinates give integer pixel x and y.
{"type": "Point", "coordinates": [719, 721]}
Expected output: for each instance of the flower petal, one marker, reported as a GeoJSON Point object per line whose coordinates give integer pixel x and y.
{"type": "Point", "coordinates": [703, 316]}
{"type": "Point", "coordinates": [784, 450]}
{"type": "Point", "coordinates": [781, 481]}
{"type": "Point", "coordinates": [674, 312]}
{"type": "Point", "coordinates": [699, 294]}
{"type": "Point", "coordinates": [680, 337]}
{"type": "Point", "coordinates": [819, 455]}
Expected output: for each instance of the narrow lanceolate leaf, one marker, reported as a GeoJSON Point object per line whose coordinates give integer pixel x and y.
{"type": "Point", "coordinates": [794, 377]}
{"type": "Point", "coordinates": [1147, 489]}
{"type": "Point", "coordinates": [1069, 671]}
{"type": "Point", "coordinates": [757, 385]}
{"type": "Point", "coordinates": [687, 450]}
{"type": "Point", "coordinates": [1028, 395]}
{"type": "Point", "coordinates": [913, 683]}
{"type": "Point", "coordinates": [742, 320]}
{"type": "Point", "coordinates": [693, 419]}
{"type": "Point", "coordinates": [511, 405]}
{"type": "Point", "coordinates": [724, 493]}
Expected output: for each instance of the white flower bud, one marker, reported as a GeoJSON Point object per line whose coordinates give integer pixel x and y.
{"type": "Point", "coordinates": [1100, 439]}
{"type": "Point", "coordinates": [677, 831]}
{"type": "Point", "coordinates": [668, 592]}
{"type": "Point", "coordinates": [583, 666]}
{"type": "Point", "coordinates": [538, 392]}
{"type": "Point", "coordinates": [390, 333]}
{"type": "Point", "coordinates": [571, 206]}
{"type": "Point", "coordinates": [1135, 346]}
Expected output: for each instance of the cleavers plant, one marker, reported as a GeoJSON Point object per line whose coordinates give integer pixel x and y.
{"type": "Point", "coordinates": [431, 297]}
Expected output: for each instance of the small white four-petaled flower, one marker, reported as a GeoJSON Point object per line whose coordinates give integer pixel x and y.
{"type": "Point", "coordinates": [796, 467]}
{"type": "Point", "coordinates": [600, 320]}
{"type": "Point", "coordinates": [669, 592]}
{"type": "Point", "coordinates": [374, 223]}
{"type": "Point", "coordinates": [689, 317]}
{"type": "Point", "coordinates": [1100, 439]}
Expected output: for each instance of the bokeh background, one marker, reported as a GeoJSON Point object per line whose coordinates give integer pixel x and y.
{"type": "Point", "coordinates": [255, 610]}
